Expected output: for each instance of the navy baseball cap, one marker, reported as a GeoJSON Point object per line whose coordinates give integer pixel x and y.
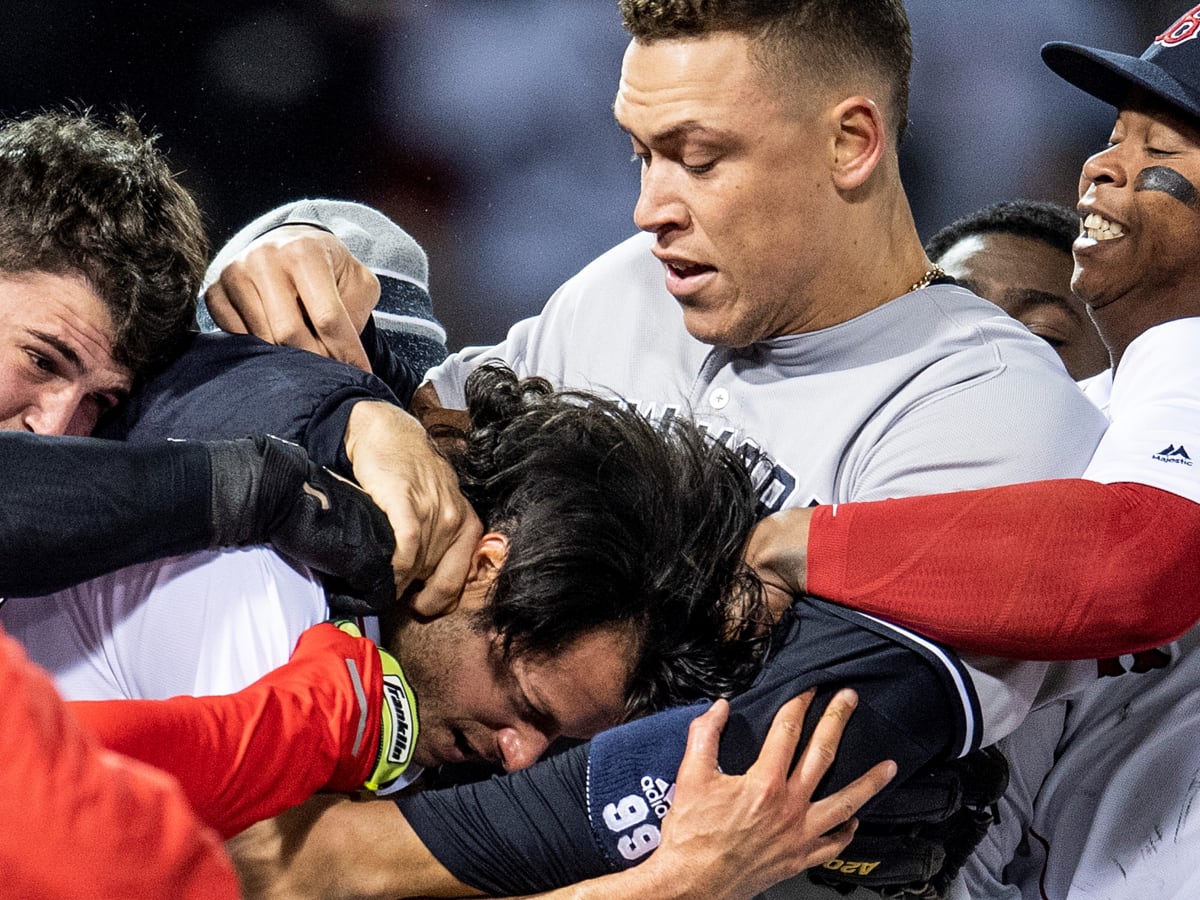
{"type": "Point", "coordinates": [1169, 69]}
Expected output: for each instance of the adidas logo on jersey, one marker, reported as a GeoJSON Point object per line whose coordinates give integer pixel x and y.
{"type": "Point", "coordinates": [1173, 454]}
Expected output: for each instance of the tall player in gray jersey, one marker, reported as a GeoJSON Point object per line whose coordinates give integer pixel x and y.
{"type": "Point", "coordinates": [781, 295]}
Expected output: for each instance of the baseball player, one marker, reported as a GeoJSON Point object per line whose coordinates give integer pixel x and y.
{"type": "Point", "coordinates": [562, 603]}
{"type": "Point", "coordinates": [751, 306]}
{"type": "Point", "coordinates": [92, 227]}
{"type": "Point", "coordinates": [1116, 552]}
{"type": "Point", "coordinates": [1017, 254]}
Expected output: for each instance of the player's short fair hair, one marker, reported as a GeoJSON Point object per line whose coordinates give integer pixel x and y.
{"type": "Point", "coordinates": [796, 40]}
{"type": "Point", "coordinates": [613, 522]}
{"type": "Point", "coordinates": [80, 196]}
{"type": "Point", "coordinates": [1041, 220]}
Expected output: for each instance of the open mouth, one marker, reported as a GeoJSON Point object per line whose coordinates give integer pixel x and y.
{"type": "Point", "coordinates": [685, 278]}
{"type": "Point", "coordinates": [687, 270]}
{"type": "Point", "coordinates": [1097, 228]}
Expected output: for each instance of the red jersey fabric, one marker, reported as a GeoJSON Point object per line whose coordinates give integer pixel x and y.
{"type": "Point", "coordinates": [248, 756]}
{"type": "Point", "coordinates": [81, 821]}
{"type": "Point", "coordinates": [1066, 569]}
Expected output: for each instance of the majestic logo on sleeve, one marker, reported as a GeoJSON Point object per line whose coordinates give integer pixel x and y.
{"type": "Point", "coordinates": [1173, 454]}
{"type": "Point", "coordinates": [1182, 31]}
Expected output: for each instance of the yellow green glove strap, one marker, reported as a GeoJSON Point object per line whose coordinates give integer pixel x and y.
{"type": "Point", "coordinates": [398, 725]}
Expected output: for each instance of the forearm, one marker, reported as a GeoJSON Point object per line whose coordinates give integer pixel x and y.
{"type": "Point", "coordinates": [247, 756]}
{"type": "Point", "coordinates": [76, 508]}
{"type": "Point", "coordinates": [1048, 570]}
{"type": "Point", "coordinates": [642, 881]}
{"type": "Point", "coordinates": [297, 396]}
{"type": "Point", "coordinates": [331, 848]}
{"type": "Point", "coordinates": [82, 822]}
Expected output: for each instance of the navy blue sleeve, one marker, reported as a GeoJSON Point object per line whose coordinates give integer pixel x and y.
{"type": "Point", "coordinates": [913, 708]}
{"type": "Point", "coordinates": [231, 386]}
{"type": "Point", "coordinates": [402, 339]}
{"type": "Point", "coordinates": [512, 833]}
{"type": "Point", "coordinates": [75, 508]}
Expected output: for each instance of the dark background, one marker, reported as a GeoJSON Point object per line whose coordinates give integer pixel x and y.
{"type": "Point", "coordinates": [485, 128]}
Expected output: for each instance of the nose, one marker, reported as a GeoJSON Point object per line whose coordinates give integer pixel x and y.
{"type": "Point", "coordinates": [660, 206]}
{"type": "Point", "coordinates": [58, 412]}
{"type": "Point", "coordinates": [1104, 167]}
{"type": "Point", "coordinates": [521, 746]}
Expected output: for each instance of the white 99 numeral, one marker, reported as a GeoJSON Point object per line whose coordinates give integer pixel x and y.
{"type": "Point", "coordinates": [625, 813]}
{"type": "Point", "coordinates": [644, 839]}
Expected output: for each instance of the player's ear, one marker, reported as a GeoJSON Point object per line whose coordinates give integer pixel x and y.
{"type": "Point", "coordinates": [859, 141]}
{"type": "Point", "coordinates": [490, 554]}
{"type": "Point", "coordinates": [489, 557]}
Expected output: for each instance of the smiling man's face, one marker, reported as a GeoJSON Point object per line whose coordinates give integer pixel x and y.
{"type": "Point", "coordinates": [1140, 208]}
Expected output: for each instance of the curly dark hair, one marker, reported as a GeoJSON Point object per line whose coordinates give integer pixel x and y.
{"type": "Point", "coordinates": [1050, 223]}
{"type": "Point", "coordinates": [796, 40]}
{"type": "Point", "coordinates": [612, 521]}
{"type": "Point", "coordinates": [80, 196]}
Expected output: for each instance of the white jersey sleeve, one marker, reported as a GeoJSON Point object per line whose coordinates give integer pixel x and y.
{"type": "Point", "coordinates": [1154, 438]}
{"type": "Point", "coordinates": [205, 623]}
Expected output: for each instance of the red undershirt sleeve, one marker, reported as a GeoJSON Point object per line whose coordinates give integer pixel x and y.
{"type": "Point", "coordinates": [82, 822]}
{"type": "Point", "coordinates": [1066, 569]}
{"type": "Point", "coordinates": [248, 756]}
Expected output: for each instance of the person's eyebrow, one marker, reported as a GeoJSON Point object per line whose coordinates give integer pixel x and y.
{"type": "Point", "coordinates": [64, 349]}
{"type": "Point", "coordinates": [688, 128]}
{"type": "Point", "coordinates": [536, 713]}
{"type": "Point", "coordinates": [1032, 297]}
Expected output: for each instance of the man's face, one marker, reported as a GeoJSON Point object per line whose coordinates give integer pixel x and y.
{"type": "Point", "coordinates": [1140, 208]}
{"type": "Point", "coordinates": [57, 372]}
{"type": "Point", "coordinates": [1031, 281]}
{"type": "Point", "coordinates": [475, 705]}
{"type": "Point", "coordinates": [734, 184]}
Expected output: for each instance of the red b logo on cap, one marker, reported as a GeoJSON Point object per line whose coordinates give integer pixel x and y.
{"type": "Point", "coordinates": [1182, 31]}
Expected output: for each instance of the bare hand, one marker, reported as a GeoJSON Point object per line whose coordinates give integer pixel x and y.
{"type": "Point", "coordinates": [778, 553]}
{"type": "Point", "coordinates": [298, 286]}
{"type": "Point", "coordinates": [735, 836]}
{"type": "Point", "coordinates": [436, 529]}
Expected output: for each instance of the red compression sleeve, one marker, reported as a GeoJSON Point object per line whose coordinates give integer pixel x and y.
{"type": "Point", "coordinates": [1064, 569]}
{"type": "Point", "coordinates": [82, 822]}
{"type": "Point", "coordinates": [309, 725]}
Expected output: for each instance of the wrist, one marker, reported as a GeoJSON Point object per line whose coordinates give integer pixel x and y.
{"type": "Point", "coordinates": [398, 725]}
{"type": "Point", "coordinates": [371, 421]}
{"type": "Point", "coordinates": [778, 549]}
{"type": "Point", "coordinates": [235, 477]}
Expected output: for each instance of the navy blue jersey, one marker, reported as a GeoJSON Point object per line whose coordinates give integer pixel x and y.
{"type": "Point", "coordinates": [234, 385]}
{"type": "Point", "coordinates": [596, 808]}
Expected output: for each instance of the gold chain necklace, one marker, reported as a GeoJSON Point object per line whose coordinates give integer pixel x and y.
{"type": "Point", "coordinates": [928, 278]}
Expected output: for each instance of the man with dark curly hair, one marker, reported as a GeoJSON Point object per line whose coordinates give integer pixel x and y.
{"type": "Point", "coordinates": [779, 282]}
{"type": "Point", "coordinates": [608, 584]}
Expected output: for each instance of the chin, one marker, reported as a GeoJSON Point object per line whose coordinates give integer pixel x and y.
{"type": "Point", "coordinates": [1091, 294]}
{"type": "Point", "coordinates": [709, 331]}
